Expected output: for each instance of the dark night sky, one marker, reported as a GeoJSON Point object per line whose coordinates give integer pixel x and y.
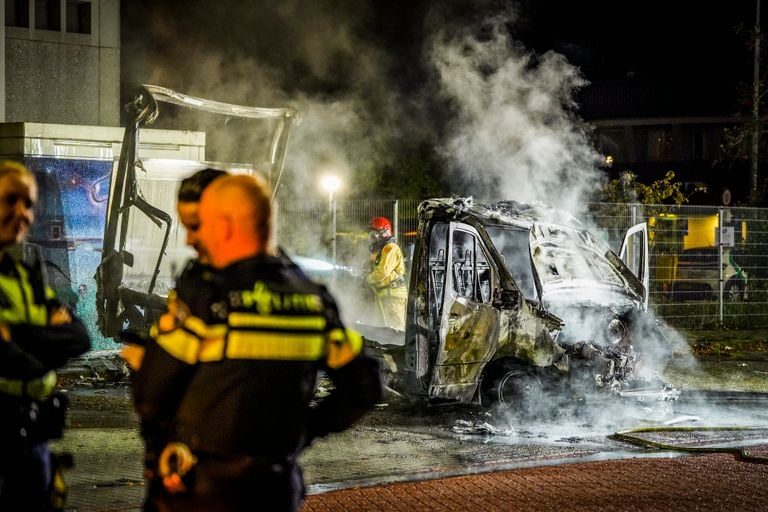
{"type": "Point", "coordinates": [606, 39]}
{"type": "Point", "coordinates": [361, 74]}
{"type": "Point", "coordinates": [651, 37]}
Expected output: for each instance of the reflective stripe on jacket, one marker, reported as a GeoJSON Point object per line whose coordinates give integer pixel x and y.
{"type": "Point", "coordinates": [234, 368]}
{"type": "Point", "coordinates": [261, 337]}
{"type": "Point", "coordinates": [18, 305]}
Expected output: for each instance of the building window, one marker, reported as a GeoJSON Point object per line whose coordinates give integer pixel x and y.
{"type": "Point", "coordinates": [48, 15]}
{"type": "Point", "coordinates": [17, 13]}
{"type": "Point", "coordinates": [78, 16]}
{"type": "Point", "coordinates": [610, 142]}
{"type": "Point", "coordinates": [661, 145]}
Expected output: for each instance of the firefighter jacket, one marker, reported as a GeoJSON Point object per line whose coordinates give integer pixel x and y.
{"type": "Point", "coordinates": [34, 350]}
{"type": "Point", "coordinates": [239, 365]}
{"type": "Point", "coordinates": [387, 268]}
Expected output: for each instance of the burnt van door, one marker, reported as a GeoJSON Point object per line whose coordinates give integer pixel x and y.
{"type": "Point", "coordinates": [469, 324]}
{"type": "Point", "coordinates": [634, 254]}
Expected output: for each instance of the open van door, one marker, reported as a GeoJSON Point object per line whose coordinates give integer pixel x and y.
{"type": "Point", "coordinates": [634, 254]}
{"type": "Point", "coordinates": [469, 324]}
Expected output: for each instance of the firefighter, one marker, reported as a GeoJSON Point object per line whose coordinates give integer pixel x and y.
{"type": "Point", "coordinates": [386, 277]}
{"type": "Point", "coordinates": [240, 372]}
{"type": "Point", "coordinates": [37, 336]}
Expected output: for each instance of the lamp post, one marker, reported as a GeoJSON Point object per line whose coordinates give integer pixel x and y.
{"type": "Point", "coordinates": [754, 181]}
{"type": "Point", "coordinates": [331, 184]}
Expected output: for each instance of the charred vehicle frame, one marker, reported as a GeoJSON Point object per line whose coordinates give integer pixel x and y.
{"type": "Point", "coordinates": [132, 288]}
{"type": "Point", "coordinates": [509, 302]}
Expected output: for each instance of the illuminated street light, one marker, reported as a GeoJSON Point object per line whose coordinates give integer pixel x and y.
{"type": "Point", "coordinates": [331, 184]}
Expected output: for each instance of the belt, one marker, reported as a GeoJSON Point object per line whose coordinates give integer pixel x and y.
{"type": "Point", "coordinates": [397, 283]}
{"type": "Point", "coordinates": [241, 465]}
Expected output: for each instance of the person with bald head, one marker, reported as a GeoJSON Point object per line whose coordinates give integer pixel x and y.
{"type": "Point", "coordinates": [235, 220]}
{"type": "Point", "coordinates": [241, 373]}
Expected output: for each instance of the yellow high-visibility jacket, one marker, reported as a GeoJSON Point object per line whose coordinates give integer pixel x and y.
{"type": "Point", "coordinates": [388, 268]}
{"type": "Point", "coordinates": [35, 349]}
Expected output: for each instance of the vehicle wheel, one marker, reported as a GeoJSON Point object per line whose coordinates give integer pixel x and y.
{"type": "Point", "coordinates": [734, 290]}
{"type": "Point", "coordinates": [514, 389]}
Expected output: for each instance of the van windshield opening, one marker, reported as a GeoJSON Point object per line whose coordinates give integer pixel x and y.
{"type": "Point", "coordinates": [513, 245]}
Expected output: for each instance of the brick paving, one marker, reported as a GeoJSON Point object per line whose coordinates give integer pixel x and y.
{"type": "Point", "coordinates": [712, 482]}
{"type": "Point", "coordinates": [107, 477]}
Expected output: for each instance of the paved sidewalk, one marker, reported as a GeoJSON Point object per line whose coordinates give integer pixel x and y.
{"type": "Point", "coordinates": [704, 483]}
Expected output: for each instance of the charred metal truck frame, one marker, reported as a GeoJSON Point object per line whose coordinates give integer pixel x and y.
{"type": "Point", "coordinates": [510, 301]}
{"type": "Point", "coordinates": [131, 303]}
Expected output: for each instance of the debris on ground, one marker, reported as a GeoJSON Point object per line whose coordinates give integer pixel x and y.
{"type": "Point", "coordinates": [480, 428]}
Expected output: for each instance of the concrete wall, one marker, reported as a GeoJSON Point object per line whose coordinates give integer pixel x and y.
{"type": "Point", "coordinates": [61, 77]}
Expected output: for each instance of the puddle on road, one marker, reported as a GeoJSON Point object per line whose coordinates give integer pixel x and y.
{"type": "Point", "coordinates": [593, 424]}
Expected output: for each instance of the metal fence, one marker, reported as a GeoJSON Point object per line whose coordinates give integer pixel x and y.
{"type": "Point", "coordinates": [708, 265]}
{"type": "Point", "coordinates": [336, 231]}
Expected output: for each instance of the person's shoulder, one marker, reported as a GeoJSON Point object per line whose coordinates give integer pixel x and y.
{"type": "Point", "coordinates": [390, 246]}
{"type": "Point", "coordinates": [193, 269]}
{"type": "Point", "coordinates": [194, 274]}
{"type": "Point", "coordinates": [268, 268]}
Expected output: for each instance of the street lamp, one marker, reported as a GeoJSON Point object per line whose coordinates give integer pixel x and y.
{"type": "Point", "coordinates": [331, 184]}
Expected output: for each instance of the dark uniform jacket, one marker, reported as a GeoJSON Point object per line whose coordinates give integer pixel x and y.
{"type": "Point", "coordinates": [35, 349]}
{"type": "Point", "coordinates": [238, 362]}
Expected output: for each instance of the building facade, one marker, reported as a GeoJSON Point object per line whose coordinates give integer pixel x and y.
{"type": "Point", "coordinates": [691, 126]}
{"type": "Point", "coordinates": [60, 62]}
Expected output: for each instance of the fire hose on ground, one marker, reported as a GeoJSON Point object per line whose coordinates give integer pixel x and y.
{"type": "Point", "coordinates": [741, 454]}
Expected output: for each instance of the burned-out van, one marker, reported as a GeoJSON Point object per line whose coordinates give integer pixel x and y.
{"type": "Point", "coordinates": [510, 301]}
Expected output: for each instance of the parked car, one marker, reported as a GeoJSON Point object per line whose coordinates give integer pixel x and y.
{"type": "Point", "coordinates": [697, 276]}
{"type": "Point", "coordinates": [512, 302]}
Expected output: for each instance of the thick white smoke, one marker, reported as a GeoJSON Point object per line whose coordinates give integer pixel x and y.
{"type": "Point", "coordinates": [515, 134]}
{"type": "Point", "coordinates": [314, 56]}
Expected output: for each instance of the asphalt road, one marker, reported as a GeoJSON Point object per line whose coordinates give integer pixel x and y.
{"type": "Point", "coordinates": [406, 441]}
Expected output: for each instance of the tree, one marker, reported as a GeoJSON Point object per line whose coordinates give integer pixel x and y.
{"type": "Point", "coordinates": [417, 173]}
{"type": "Point", "coordinates": [626, 189]}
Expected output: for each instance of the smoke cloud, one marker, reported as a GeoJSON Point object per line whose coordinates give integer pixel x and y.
{"type": "Point", "coordinates": [318, 57]}
{"type": "Point", "coordinates": [503, 117]}
{"type": "Point", "coordinates": [515, 134]}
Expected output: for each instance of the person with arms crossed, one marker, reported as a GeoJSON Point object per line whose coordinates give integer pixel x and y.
{"type": "Point", "coordinates": [37, 336]}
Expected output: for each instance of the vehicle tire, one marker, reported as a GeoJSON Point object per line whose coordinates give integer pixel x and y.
{"type": "Point", "coordinates": [734, 290]}
{"type": "Point", "coordinates": [514, 389]}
